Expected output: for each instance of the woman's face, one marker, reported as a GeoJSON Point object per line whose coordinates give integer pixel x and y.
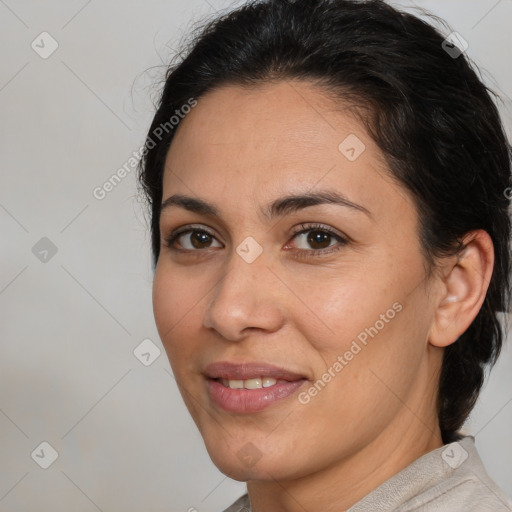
{"type": "Point", "coordinates": [333, 293]}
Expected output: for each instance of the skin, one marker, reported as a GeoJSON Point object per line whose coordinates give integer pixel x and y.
{"type": "Point", "coordinates": [240, 149]}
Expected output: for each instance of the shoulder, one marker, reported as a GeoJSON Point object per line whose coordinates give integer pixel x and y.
{"type": "Point", "coordinates": [465, 485]}
{"type": "Point", "coordinates": [451, 478]}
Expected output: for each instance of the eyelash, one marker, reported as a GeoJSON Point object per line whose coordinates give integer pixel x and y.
{"type": "Point", "coordinates": [302, 253]}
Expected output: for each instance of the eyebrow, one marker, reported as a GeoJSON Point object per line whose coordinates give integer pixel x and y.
{"type": "Point", "coordinates": [277, 208]}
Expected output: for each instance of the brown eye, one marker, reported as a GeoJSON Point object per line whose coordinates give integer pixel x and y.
{"type": "Point", "coordinates": [317, 239]}
{"type": "Point", "coordinates": [192, 239]}
{"type": "Point", "coordinates": [200, 239]}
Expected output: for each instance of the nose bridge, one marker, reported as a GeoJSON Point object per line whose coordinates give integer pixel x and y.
{"type": "Point", "coordinates": [243, 296]}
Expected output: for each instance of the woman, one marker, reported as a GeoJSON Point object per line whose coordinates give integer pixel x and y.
{"type": "Point", "coordinates": [329, 218]}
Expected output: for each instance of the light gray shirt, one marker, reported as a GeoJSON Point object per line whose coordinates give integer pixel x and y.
{"type": "Point", "coordinates": [449, 479]}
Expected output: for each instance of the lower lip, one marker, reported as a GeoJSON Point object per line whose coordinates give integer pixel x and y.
{"type": "Point", "coordinates": [250, 400]}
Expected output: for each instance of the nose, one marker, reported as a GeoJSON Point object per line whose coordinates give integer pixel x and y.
{"type": "Point", "coordinates": [247, 297]}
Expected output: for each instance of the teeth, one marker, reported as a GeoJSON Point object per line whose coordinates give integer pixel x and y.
{"type": "Point", "coordinates": [253, 384]}
{"type": "Point", "coordinates": [258, 383]}
{"type": "Point", "coordinates": [268, 381]}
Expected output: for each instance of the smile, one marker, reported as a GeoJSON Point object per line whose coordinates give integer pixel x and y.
{"type": "Point", "coordinates": [257, 383]}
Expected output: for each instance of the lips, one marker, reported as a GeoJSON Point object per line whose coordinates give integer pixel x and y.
{"type": "Point", "coordinates": [251, 387]}
{"type": "Point", "coordinates": [250, 370]}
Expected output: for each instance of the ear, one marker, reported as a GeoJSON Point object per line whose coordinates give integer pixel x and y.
{"type": "Point", "coordinates": [463, 289]}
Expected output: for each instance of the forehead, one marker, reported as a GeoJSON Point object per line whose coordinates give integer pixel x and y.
{"type": "Point", "coordinates": [269, 118]}
{"type": "Point", "coordinates": [285, 137]}
{"type": "Point", "coordinates": [272, 122]}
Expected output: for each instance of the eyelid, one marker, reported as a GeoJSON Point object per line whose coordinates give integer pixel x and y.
{"type": "Point", "coordinates": [169, 240]}
{"type": "Point", "coordinates": [192, 227]}
{"type": "Point", "coordinates": [315, 226]}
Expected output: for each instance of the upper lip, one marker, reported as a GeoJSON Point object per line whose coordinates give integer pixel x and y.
{"type": "Point", "coordinates": [249, 370]}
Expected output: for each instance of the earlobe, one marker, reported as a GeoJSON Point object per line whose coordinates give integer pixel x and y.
{"type": "Point", "coordinates": [463, 289]}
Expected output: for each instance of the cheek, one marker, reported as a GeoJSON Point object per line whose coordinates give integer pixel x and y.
{"type": "Point", "coordinates": [343, 304]}
{"type": "Point", "coordinates": [164, 302]}
{"type": "Point", "coordinates": [381, 338]}
{"type": "Point", "coordinates": [173, 307]}
{"type": "Point", "coordinates": [358, 380]}
{"type": "Point", "coordinates": [368, 317]}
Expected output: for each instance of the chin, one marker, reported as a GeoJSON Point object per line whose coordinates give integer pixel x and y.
{"type": "Point", "coordinates": [238, 465]}
{"type": "Point", "coordinates": [238, 472]}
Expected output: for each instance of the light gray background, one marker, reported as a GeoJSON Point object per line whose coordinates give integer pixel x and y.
{"type": "Point", "coordinates": [69, 325]}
